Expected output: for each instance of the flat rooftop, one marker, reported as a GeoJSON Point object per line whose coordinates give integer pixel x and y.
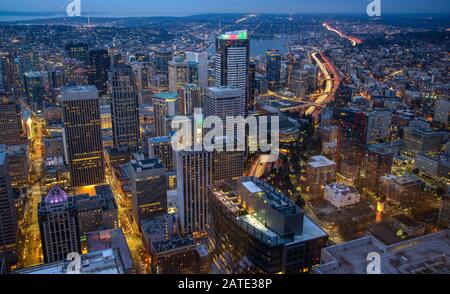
{"type": "Point", "coordinates": [166, 95]}
{"type": "Point", "coordinates": [320, 161]}
{"type": "Point", "coordinates": [106, 262]}
{"type": "Point", "coordinates": [425, 254]}
{"type": "Point", "coordinates": [69, 93]}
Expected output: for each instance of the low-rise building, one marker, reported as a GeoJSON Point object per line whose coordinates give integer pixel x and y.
{"type": "Point", "coordinates": [422, 255]}
{"type": "Point", "coordinates": [341, 195]}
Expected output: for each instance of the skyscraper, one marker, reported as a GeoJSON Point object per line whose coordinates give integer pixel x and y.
{"type": "Point", "coordinates": [11, 126]}
{"type": "Point", "coordinates": [124, 108]}
{"type": "Point", "coordinates": [201, 58]}
{"type": "Point", "coordinates": [77, 51]}
{"type": "Point", "coordinates": [162, 57]}
{"type": "Point", "coordinates": [165, 104]}
{"type": "Point", "coordinates": [256, 229]}
{"type": "Point", "coordinates": [223, 101]}
{"type": "Point", "coordinates": [194, 175]}
{"type": "Point", "coordinates": [58, 225]}
{"type": "Point", "coordinates": [273, 68]}
{"type": "Point", "coordinates": [99, 64]}
{"type": "Point", "coordinates": [190, 98]}
{"type": "Point", "coordinates": [82, 135]}
{"type": "Point", "coordinates": [232, 60]}
{"type": "Point", "coordinates": [8, 217]}
{"type": "Point", "coordinates": [178, 74]}
{"type": "Point", "coordinates": [148, 187]}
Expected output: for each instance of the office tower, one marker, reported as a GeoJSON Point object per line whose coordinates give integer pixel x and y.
{"type": "Point", "coordinates": [11, 132]}
{"type": "Point", "coordinates": [222, 102]}
{"type": "Point", "coordinates": [255, 229]}
{"type": "Point", "coordinates": [97, 212]}
{"type": "Point", "coordinates": [148, 183]}
{"type": "Point", "coordinates": [18, 164]}
{"type": "Point", "coordinates": [8, 217]}
{"type": "Point", "coordinates": [251, 85]}
{"type": "Point", "coordinates": [106, 262]}
{"type": "Point", "coordinates": [377, 163]}
{"type": "Point", "coordinates": [124, 108]}
{"type": "Point", "coordinates": [444, 212]}
{"type": "Point", "coordinates": [190, 98]}
{"type": "Point", "coordinates": [161, 148]}
{"type": "Point", "coordinates": [228, 166]}
{"type": "Point", "coordinates": [419, 137]}
{"type": "Point", "coordinates": [99, 64]}
{"type": "Point", "coordinates": [273, 68]}
{"type": "Point", "coordinates": [436, 166]}
{"type": "Point", "coordinates": [82, 135]}
{"type": "Point", "coordinates": [319, 172]}
{"type": "Point", "coordinates": [165, 104]}
{"type": "Point", "coordinates": [161, 60]}
{"type": "Point", "coordinates": [194, 175]}
{"type": "Point", "coordinates": [170, 251]}
{"type": "Point", "coordinates": [351, 139]}
{"type": "Point", "coordinates": [378, 125]}
{"type": "Point", "coordinates": [34, 87]}
{"type": "Point", "coordinates": [441, 111]}
{"type": "Point", "coordinates": [58, 225]}
{"type": "Point", "coordinates": [201, 58]}
{"type": "Point", "coordinates": [426, 255]}
{"type": "Point", "coordinates": [401, 191]}
{"type": "Point", "coordinates": [178, 74]}
{"type": "Point", "coordinates": [143, 72]}
{"type": "Point", "coordinates": [77, 51]}
{"type": "Point", "coordinates": [232, 59]}
{"type": "Point", "coordinates": [6, 69]}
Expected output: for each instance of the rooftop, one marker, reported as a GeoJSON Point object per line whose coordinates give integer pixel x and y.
{"type": "Point", "coordinates": [235, 35]}
{"type": "Point", "coordinates": [320, 161]}
{"type": "Point", "coordinates": [166, 95]}
{"type": "Point", "coordinates": [426, 254]}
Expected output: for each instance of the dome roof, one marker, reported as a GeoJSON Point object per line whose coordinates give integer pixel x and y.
{"type": "Point", "coordinates": [56, 195]}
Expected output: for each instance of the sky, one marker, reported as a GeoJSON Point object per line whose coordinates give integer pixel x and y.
{"type": "Point", "coordinates": [188, 7]}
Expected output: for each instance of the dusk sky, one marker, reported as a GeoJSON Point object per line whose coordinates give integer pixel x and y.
{"type": "Point", "coordinates": [186, 7]}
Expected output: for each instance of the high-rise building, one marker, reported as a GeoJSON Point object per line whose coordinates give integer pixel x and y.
{"type": "Point", "coordinates": [419, 137]}
{"type": "Point", "coordinates": [251, 85]}
{"type": "Point", "coordinates": [377, 163]}
{"type": "Point", "coordinates": [441, 111]}
{"type": "Point", "coordinates": [77, 51]}
{"type": "Point", "coordinates": [11, 132]}
{"type": "Point", "coordinates": [178, 74]}
{"type": "Point", "coordinates": [11, 74]}
{"type": "Point", "coordinates": [255, 229]}
{"type": "Point", "coordinates": [222, 102]}
{"type": "Point", "coordinates": [319, 172]}
{"type": "Point", "coordinates": [8, 217]}
{"type": "Point", "coordinates": [190, 98]}
{"type": "Point", "coordinates": [194, 175]}
{"type": "Point", "coordinates": [33, 84]}
{"type": "Point", "coordinates": [170, 251]}
{"type": "Point", "coordinates": [99, 64]}
{"type": "Point", "coordinates": [165, 104]}
{"type": "Point", "coordinates": [124, 108]}
{"type": "Point", "coordinates": [97, 212]}
{"type": "Point", "coordinates": [58, 224]}
{"type": "Point", "coordinates": [232, 60]}
{"type": "Point", "coordinates": [82, 135]}
{"type": "Point", "coordinates": [273, 68]}
{"type": "Point", "coordinates": [148, 183]}
{"type": "Point", "coordinates": [201, 58]}
{"type": "Point", "coordinates": [161, 60]}
{"type": "Point", "coordinates": [161, 148]}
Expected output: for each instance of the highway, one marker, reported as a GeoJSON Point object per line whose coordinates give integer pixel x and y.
{"type": "Point", "coordinates": [355, 41]}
